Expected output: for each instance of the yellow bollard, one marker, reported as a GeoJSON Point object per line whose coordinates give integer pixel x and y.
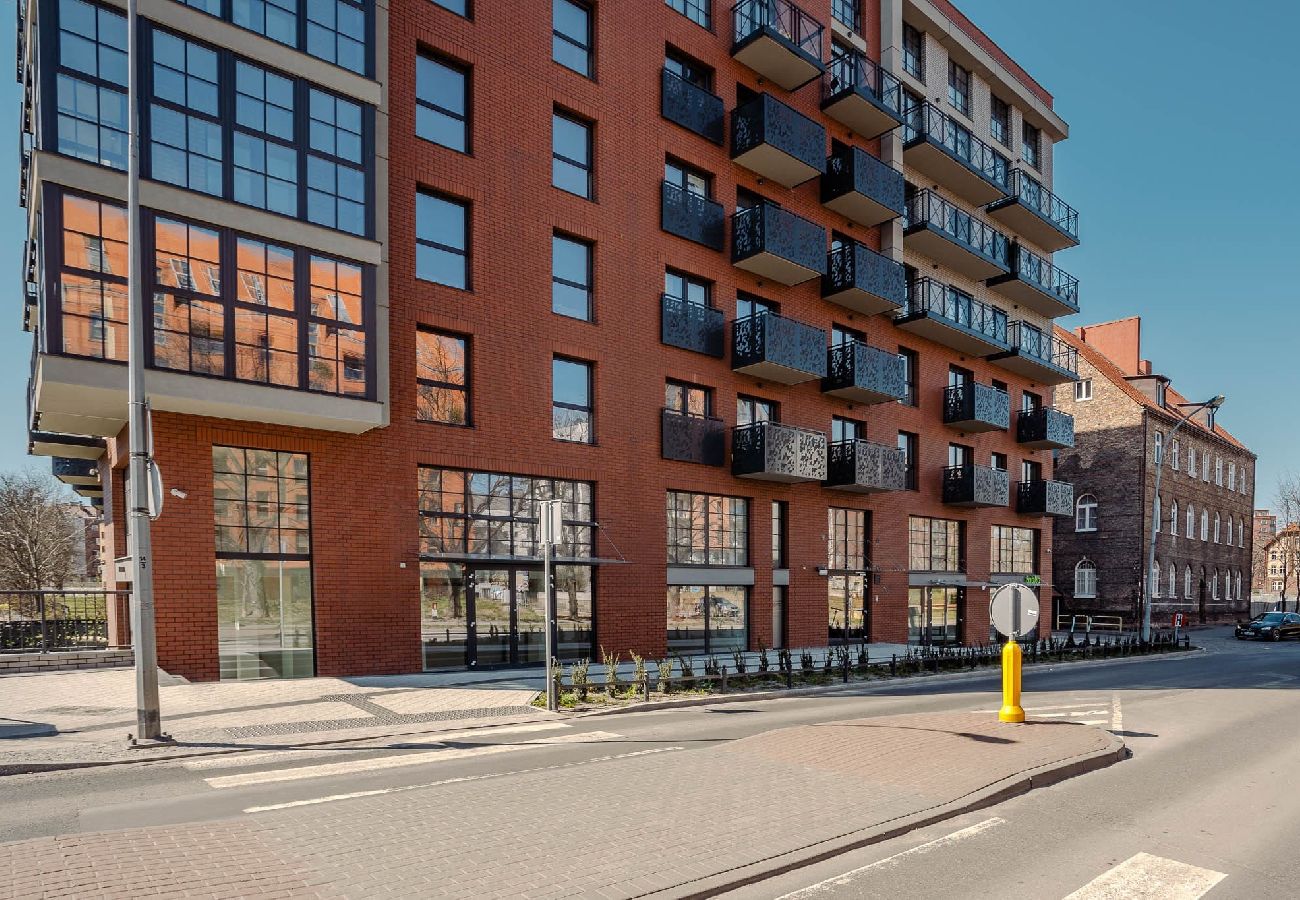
{"type": "Point", "coordinates": [1011, 710]}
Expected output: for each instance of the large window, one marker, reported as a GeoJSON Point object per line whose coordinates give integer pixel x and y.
{"type": "Point", "coordinates": [265, 159]}
{"type": "Point", "coordinates": [695, 10]}
{"type": "Point", "coordinates": [571, 412]}
{"type": "Point", "coordinates": [189, 318]}
{"type": "Point", "coordinates": [336, 185]}
{"type": "Point", "coordinates": [441, 377]}
{"type": "Point", "coordinates": [492, 514]}
{"type": "Point", "coordinates": [1013, 550]}
{"type": "Point", "coordinates": [913, 52]}
{"type": "Point", "coordinates": [707, 530]}
{"type": "Point", "coordinates": [571, 35]}
{"type": "Point", "coordinates": [934, 545]}
{"type": "Point", "coordinates": [571, 154]}
{"type": "Point", "coordinates": [442, 102]}
{"type": "Point", "coordinates": [959, 88]}
{"type": "Point", "coordinates": [846, 12]}
{"type": "Point", "coordinates": [336, 31]}
{"type": "Point", "coordinates": [441, 240]}
{"type": "Point", "coordinates": [1085, 580]}
{"type": "Point", "coordinates": [846, 539]}
{"type": "Point", "coordinates": [266, 321]}
{"type": "Point", "coordinates": [262, 514]}
{"type": "Point", "coordinates": [92, 277]}
{"type": "Point", "coordinates": [185, 123]}
{"type": "Point", "coordinates": [91, 116]}
{"type": "Point", "coordinates": [571, 277]}
{"type": "Point", "coordinates": [707, 618]}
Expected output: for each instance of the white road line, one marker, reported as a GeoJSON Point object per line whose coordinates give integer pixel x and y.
{"type": "Point", "coordinates": [1116, 714]}
{"type": "Point", "coordinates": [1101, 700]}
{"type": "Point", "coordinates": [415, 787]}
{"type": "Point", "coordinates": [1144, 876]}
{"type": "Point", "coordinates": [379, 763]}
{"type": "Point", "coordinates": [1071, 715]}
{"type": "Point", "coordinates": [240, 760]}
{"type": "Point", "coordinates": [823, 887]}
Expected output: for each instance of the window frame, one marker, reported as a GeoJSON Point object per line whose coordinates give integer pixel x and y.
{"type": "Point", "coordinates": [589, 166]}
{"type": "Point", "coordinates": [700, 8]}
{"type": "Point", "coordinates": [588, 48]}
{"type": "Point", "coordinates": [465, 388]}
{"type": "Point", "coordinates": [1083, 390]}
{"type": "Point", "coordinates": [912, 58]}
{"type": "Point", "coordinates": [589, 409]}
{"type": "Point", "coordinates": [728, 556]}
{"type": "Point", "coordinates": [1085, 587]}
{"type": "Point", "coordinates": [465, 71]}
{"type": "Point", "coordinates": [959, 87]}
{"type": "Point", "coordinates": [849, 529]}
{"type": "Point", "coordinates": [911, 364]}
{"type": "Point", "coordinates": [466, 253]}
{"type": "Point", "coordinates": [589, 248]}
{"type": "Point", "coordinates": [1031, 144]}
{"type": "Point", "coordinates": [1086, 514]}
{"type": "Point", "coordinates": [1000, 116]}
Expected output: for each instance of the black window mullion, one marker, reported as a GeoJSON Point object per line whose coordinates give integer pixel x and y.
{"type": "Point", "coordinates": [301, 133]}
{"type": "Point", "coordinates": [228, 257]}
{"type": "Point", "coordinates": [302, 306]}
{"type": "Point", "coordinates": [226, 117]}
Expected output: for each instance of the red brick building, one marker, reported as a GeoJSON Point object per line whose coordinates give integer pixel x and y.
{"type": "Point", "coordinates": [763, 294]}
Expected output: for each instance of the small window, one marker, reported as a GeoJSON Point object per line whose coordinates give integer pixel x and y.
{"type": "Point", "coordinates": [695, 10]}
{"type": "Point", "coordinates": [1217, 528]}
{"type": "Point", "coordinates": [748, 305]}
{"type": "Point", "coordinates": [442, 102]}
{"type": "Point", "coordinates": [1205, 524]}
{"type": "Point", "coordinates": [911, 397]}
{"type": "Point", "coordinates": [1160, 448]}
{"type": "Point", "coordinates": [913, 52]}
{"type": "Point", "coordinates": [1083, 389]}
{"type": "Point", "coordinates": [688, 178]}
{"type": "Point", "coordinates": [687, 399]}
{"type": "Point", "coordinates": [751, 409]}
{"type": "Point", "coordinates": [1173, 521]}
{"type": "Point", "coordinates": [441, 376]}
{"type": "Point", "coordinates": [1174, 462]}
{"type": "Point", "coordinates": [571, 400]}
{"type": "Point", "coordinates": [907, 443]}
{"type": "Point", "coordinates": [999, 120]}
{"type": "Point", "coordinates": [1191, 521]}
{"type": "Point", "coordinates": [571, 35]}
{"type": "Point", "coordinates": [1187, 582]}
{"type": "Point", "coordinates": [1232, 476]}
{"type": "Point", "coordinates": [959, 88]}
{"type": "Point", "coordinates": [1173, 581]}
{"type": "Point", "coordinates": [847, 14]}
{"type": "Point", "coordinates": [843, 429]}
{"type": "Point", "coordinates": [1155, 581]}
{"type": "Point", "coordinates": [1218, 471]}
{"type": "Point", "coordinates": [571, 277]}
{"type": "Point", "coordinates": [1191, 461]}
{"type": "Point", "coordinates": [998, 461]}
{"type": "Point", "coordinates": [1085, 513]}
{"type": "Point", "coordinates": [687, 287]}
{"type": "Point", "coordinates": [571, 154]}
{"type": "Point", "coordinates": [442, 240]}
{"type": "Point", "coordinates": [1031, 146]}
{"type": "Point", "coordinates": [689, 70]}
{"type": "Point", "coordinates": [1085, 580]}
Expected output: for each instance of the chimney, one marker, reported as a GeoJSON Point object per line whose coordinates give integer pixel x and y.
{"type": "Point", "coordinates": [1144, 367]}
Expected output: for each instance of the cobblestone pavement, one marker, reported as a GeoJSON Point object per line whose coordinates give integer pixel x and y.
{"type": "Point", "coordinates": [625, 827]}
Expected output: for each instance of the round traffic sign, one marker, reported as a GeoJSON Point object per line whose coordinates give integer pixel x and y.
{"type": "Point", "coordinates": [1014, 610]}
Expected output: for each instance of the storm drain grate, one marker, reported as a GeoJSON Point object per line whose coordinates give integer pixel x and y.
{"type": "Point", "coordinates": [277, 728]}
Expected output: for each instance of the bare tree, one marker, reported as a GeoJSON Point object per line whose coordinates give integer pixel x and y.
{"type": "Point", "coordinates": [1287, 542]}
{"type": "Point", "coordinates": [38, 532]}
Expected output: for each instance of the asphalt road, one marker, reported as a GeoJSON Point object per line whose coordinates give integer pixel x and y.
{"type": "Point", "coordinates": [1211, 795]}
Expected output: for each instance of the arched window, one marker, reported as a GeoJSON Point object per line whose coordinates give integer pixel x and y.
{"type": "Point", "coordinates": [1205, 524]}
{"type": "Point", "coordinates": [1214, 585]}
{"type": "Point", "coordinates": [1238, 592]}
{"type": "Point", "coordinates": [1085, 513]}
{"type": "Point", "coordinates": [1160, 448]}
{"type": "Point", "coordinates": [1187, 582]}
{"type": "Point", "coordinates": [1216, 528]}
{"type": "Point", "coordinates": [1229, 526]}
{"type": "Point", "coordinates": [1085, 580]}
{"type": "Point", "coordinates": [1173, 519]}
{"type": "Point", "coordinates": [1241, 533]}
{"type": "Point", "coordinates": [1227, 585]}
{"type": "Point", "coordinates": [1191, 521]}
{"type": "Point", "coordinates": [1173, 581]}
{"type": "Point", "coordinates": [1159, 516]}
{"type": "Point", "coordinates": [1155, 581]}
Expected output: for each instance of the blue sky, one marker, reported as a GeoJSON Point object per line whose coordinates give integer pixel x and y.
{"type": "Point", "coordinates": [1181, 164]}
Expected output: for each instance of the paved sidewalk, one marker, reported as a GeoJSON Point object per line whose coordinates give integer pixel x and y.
{"type": "Point", "coordinates": [669, 823]}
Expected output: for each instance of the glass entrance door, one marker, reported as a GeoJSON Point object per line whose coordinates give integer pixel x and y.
{"type": "Point", "coordinates": [847, 608]}
{"type": "Point", "coordinates": [492, 616]}
{"type": "Point", "coordinates": [934, 615]}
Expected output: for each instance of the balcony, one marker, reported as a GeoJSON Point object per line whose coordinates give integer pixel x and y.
{"type": "Point", "coordinates": [864, 374]}
{"type": "Point", "coordinates": [866, 468]}
{"type": "Point", "coordinates": [954, 238]}
{"type": "Point", "coordinates": [1045, 498]}
{"type": "Point", "coordinates": [70, 446]}
{"type": "Point", "coordinates": [1045, 428]}
{"type": "Point", "coordinates": [692, 107]}
{"type": "Point", "coordinates": [777, 142]}
{"type": "Point", "coordinates": [860, 94]}
{"type": "Point", "coordinates": [972, 485]}
{"type": "Point", "coordinates": [694, 439]}
{"type": "Point", "coordinates": [946, 151]}
{"type": "Point", "coordinates": [1037, 284]}
{"type": "Point", "coordinates": [774, 348]}
{"type": "Point", "coordinates": [860, 279]}
{"type": "Point", "coordinates": [1038, 214]}
{"type": "Point", "coordinates": [862, 188]}
{"type": "Point", "coordinates": [692, 216]}
{"type": "Point", "coordinates": [778, 40]}
{"type": "Point", "coordinates": [973, 408]}
{"type": "Point", "coordinates": [774, 243]}
{"type": "Point", "coordinates": [80, 472]}
{"type": "Point", "coordinates": [770, 451]}
{"type": "Point", "coordinates": [1038, 356]}
{"type": "Point", "coordinates": [952, 318]}
{"type": "Point", "coordinates": [691, 326]}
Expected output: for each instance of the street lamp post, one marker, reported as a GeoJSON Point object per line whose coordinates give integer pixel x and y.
{"type": "Point", "coordinates": [1166, 447]}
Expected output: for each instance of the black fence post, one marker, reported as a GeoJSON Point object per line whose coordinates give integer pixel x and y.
{"type": "Point", "coordinates": [45, 625]}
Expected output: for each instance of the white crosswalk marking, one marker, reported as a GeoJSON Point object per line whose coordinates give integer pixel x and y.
{"type": "Point", "coordinates": [373, 764]}
{"type": "Point", "coordinates": [1147, 876]}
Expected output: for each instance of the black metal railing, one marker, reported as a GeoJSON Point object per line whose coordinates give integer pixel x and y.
{"type": "Point", "coordinates": [693, 216]}
{"type": "Point", "coordinates": [851, 170]}
{"type": "Point", "coordinates": [42, 621]}
{"type": "Point", "coordinates": [692, 107]}
{"type": "Point", "coordinates": [1032, 341]}
{"type": "Point", "coordinates": [766, 120]}
{"type": "Point", "coordinates": [1045, 425]}
{"type": "Point", "coordinates": [1031, 193]}
{"type": "Point", "coordinates": [692, 326]}
{"type": "Point", "coordinates": [693, 438]}
{"type": "Point", "coordinates": [782, 17]}
{"type": "Point", "coordinates": [1046, 276]}
{"type": "Point", "coordinates": [853, 71]}
{"type": "Point", "coordinates": [972, 485]}
{"type": "Point", "coordinates": [768, 228]}
{"type": "Point", "coordinates": [925, 296]}
{"type": "Point", "coordinates": [928, 209]}
{"type": "Point", "coordinates": [783, 452]}
{"type": "Point", "coordinates": [63, 467]}
{"type": "Point", "coordinates": [854, 364]}
{"type": "Point", "coordinates": [1045, 498]}
{"type": "Point", "coordinates": [866, 466]}
{"type": "Point", "coordinates": [768, 337]}
{"type": "Point", "coordinates": [975, 402]}
{"type": "Point", "coordinates": [926, 122]}
{"type": "Point", "coordinates": [853, 266]}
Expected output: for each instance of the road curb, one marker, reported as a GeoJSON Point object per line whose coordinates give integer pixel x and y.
{"type": "Point", "coordinates": [990, 795]}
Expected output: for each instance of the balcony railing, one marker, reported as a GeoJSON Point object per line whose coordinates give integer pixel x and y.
{"type": "Point", "coordinates": [862, 95]}
{"type": "Point", "coordinates": [770, 451]}
{"type": "Point", "coordinates": [1051, 223]}
{"type": "Point", "coordinates": [71, 470]}
{"type": "Point", "coordinates": [1048, 349]}
{"type": "Point", "coordinates": [950, 235]}
{"type": "Point", "coordinates": [866, 468]}
{"type": "Point", "coordinates": [1045, 498]}
{"type": "Point", "coordinates": [974, 407]}
{"type": "Point", "coordinates": [972, 485]}
{"type": "Point", "coordinates": [975, 326]}
{"type": "Point", "coordinates": [692, 107]}
{"type": "Point", "coordinates": [1045, 428]}
{"type": "Point", "coordinates": [768, 345]}
{"type": "Point", "coordinates": [863, 280]}
{"type": "Point", "coordinates": [771, 241]}
{"type": "Point", "coordinates": [691, 326]}
{"type": "Point", "coordinates": [965, 163]}
{"type": "Point", "coordinates": [777, 39]}
{"type": "Point", "coordinates": [860, 187]}
{"type": "Point", "coordinates": [693, 216]}
{"type": "Point", "coordinates": [696, 439]}
{"type": "Point", "coordinates": [44, 621]}
{"type": "Point", "coordinates": [864, 374]}
{"type": "Point", "coordinates": [777, 141]}
{"type": "Point", "coordinates": [1038, 284]}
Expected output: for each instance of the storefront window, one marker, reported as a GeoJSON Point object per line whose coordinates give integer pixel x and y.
{"type": "Point", "coordinates": [707, 619]}
{"type": "Point", "coordinates": [934, 615]}
{"type": "Point", "coordinates": [707, 530]}
{"type": "Point", "coordinates": [934, 545]}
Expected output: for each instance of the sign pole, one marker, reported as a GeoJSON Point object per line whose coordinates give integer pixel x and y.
{"type": "Point", "coordinates": [550, 528]}
{"type": "Point", "coordinates": [1013, 610]}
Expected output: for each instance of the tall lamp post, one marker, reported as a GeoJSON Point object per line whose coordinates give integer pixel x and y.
{"type": "Point", "coordinates": [1213, 403]}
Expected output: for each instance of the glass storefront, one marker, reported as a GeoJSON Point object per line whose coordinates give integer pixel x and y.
{"type": "Point", "coordinates": [847, 608]}
{"type": "Point", "coordinates": [707, 619]}
{"type": "Point", "coordinates": [934, 615]}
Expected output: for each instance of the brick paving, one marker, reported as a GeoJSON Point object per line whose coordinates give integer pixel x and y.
{"type": "Point", "coordinates": [616, 829]}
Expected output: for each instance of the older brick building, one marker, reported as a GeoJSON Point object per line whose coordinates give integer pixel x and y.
{"type": "Point", "coordinates": [763, 293]}
{"type": "Point", "coordinates": [1124, 414]}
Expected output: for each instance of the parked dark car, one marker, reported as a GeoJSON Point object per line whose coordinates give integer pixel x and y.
{"type": "Point", "coordinates": [1243, 628]}
{"type": "Point", "coordinates": [1274, 626]}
